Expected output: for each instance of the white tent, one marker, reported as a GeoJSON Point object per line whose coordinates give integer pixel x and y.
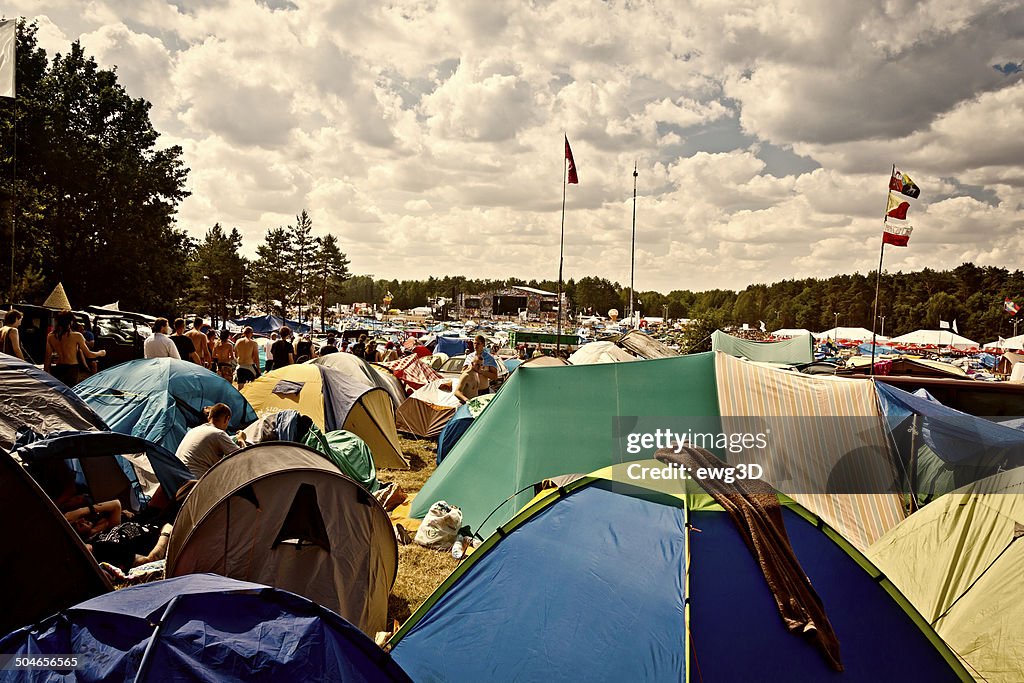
{"type": "Point", "coordinates": [851, 333]}
{"type": "Point", "coordinates": [934, 338]}
{"type": "Point", "coordinates": [790, 332]}
{"type": "Point", "coordinates": [1014, 343]}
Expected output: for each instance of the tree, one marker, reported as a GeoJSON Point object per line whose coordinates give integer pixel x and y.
{"type": "Point", "coordinates": [95, 198]}
{"type": "Point", "coordinates": [329, 272]}
{"type": "Point", "coordinates": [702, 325]}
{"type": "Point", "coordinates": [218, 272]}
{"type": "Point", "coordinates": [303, 252]}
{"type": "Point", "coordinates": [270, 273]}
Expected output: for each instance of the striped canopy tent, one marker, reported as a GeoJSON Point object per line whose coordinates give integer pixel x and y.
{"type": "Point", "coordinates": [826, 444]}
{"type": "Point", "coordinates": [412, 371]}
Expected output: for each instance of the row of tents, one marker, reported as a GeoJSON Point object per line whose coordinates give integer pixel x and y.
{"type": "Point", "coordinates": [661, 575]}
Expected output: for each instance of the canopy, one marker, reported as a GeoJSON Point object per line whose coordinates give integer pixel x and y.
{"type": "Point", "coordinates": [791, 332]}
{"type": "Point", "coordinates": [959, 560]}
{"type": "Point", "coordinates": [37, 400]}
{"type": "Point", "coordinates": [280, 514]}
{"type": "Point", "coordinates": [160, 399]}
{"type": "Point", "coordinates": [608, 579]}
{"type": "Point", "coordinates": [789, 351]}
{"type": "Point", "coordinates": [209, 628]}
{"type": "Point", "coordinates": [1016, 343]}
{"type": "Point", "coordinates": [934, 338]}
{"type": "Point", "coordinates": [858, 334]}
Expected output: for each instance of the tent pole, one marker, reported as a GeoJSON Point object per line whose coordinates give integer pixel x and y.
{"type": "Point", "coordinates": [561, 248]}
{"type": "Point", "coordinates": [632, 253]}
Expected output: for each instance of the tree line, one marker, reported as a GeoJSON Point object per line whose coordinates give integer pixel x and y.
{"type": "Point", "coordinates": [89, 200]}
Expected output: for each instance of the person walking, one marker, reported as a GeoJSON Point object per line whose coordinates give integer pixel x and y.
{"type": "Point", "coordinates": [158, 344]}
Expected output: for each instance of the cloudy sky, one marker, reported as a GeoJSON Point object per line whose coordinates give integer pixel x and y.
{"type": "Point", "coordinates": [427, 135]}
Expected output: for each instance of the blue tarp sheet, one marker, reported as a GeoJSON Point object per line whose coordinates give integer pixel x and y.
{"type": "Point", "coordinates": [265, 324]}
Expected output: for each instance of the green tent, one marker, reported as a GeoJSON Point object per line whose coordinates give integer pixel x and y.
{"type": "Point", "coordinates": [551, 421]}
{"type": "Point", "coordinates": [348, 452]}
{"type": "Point", "coordinates": [959, 560]}
{"type": "Point", "coordinates": [789, 351]}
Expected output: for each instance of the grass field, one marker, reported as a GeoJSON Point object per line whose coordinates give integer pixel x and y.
{"type": "Point", "coordinates": [420, 570]}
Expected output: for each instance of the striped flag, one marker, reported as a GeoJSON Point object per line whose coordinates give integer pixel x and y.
{"type": "Point", "coordinates": [1010, 307]}
{"type": "Point", "coordinates": [896, 235]}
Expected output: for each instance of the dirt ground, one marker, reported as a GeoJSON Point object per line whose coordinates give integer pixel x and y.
{"type": "Point", "coordinates": [420, 570]}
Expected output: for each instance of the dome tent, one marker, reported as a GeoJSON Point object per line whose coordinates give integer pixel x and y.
{"type": "Point", "coordinates": [334, 400]}
{"type": "Point", "coordinates": [160, 399]}
{"type": "Point", "coordinates": [608, 580]}
{"type": "Point", "coordinates": [35, 399]}
{"type": "Point", "coordinates": [203, 627]}
{"type": "Point", "coordinates": [281, 514]}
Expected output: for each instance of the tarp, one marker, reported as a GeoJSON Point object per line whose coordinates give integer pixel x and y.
{"type": "Point", "coordinates": [210, 628]}
{"type": "Point", "coordinates": [265, 324]}
{"type": "Point", "coordinates": [109, 465]}
{"type": "Point", "coordinates": [280, 514]}
{"type": "Point", "coordinates": [643, 345]}
{"type": "Point", "coordinates": [160, 399]}
{"type": "Point", "coordinates": [605, 581]}
{"type": "Point", "coordinates": [960, 560]}
{"type": "Point", "coordinates": [35, 399]}
{"type": "Point", "coordinates": [949, 449]}
{"type": "Point", "coordinates": [334, 400]}
{"type": "Point", "coordinates": [789, 351]}
{"type": "Point", "coordinates": [44, 566]}
{"type": "Point", "coordinates": [413, 372]}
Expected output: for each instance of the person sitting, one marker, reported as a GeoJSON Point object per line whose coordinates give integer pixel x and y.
{"type": "Point", "coordinates": [91, 520]}
{"type": "Point", "coordinates": [125, 544]}
{"type": "Point", "coordinates": [205, 445]}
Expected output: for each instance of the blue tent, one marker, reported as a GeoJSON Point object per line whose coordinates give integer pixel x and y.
{"type": "Point", "coordinates": [451, 346]}
{"type": "Point", "coordinates": [459, 423]}
{"type": "Point", "coordinates": [265, 324]}
{"type": "Point", "coordinates": [202, 627]}
{"type": "Point", "coordinates": [36, 399]}
{"type": "Point", "coordinates": [159, 399]}
{"type": "Point", "coordinates": [865, 349]}
{"type": "Point", "coordinates": [604, 581]}
{"type": "Point", "coordinates": [949, 449]}
{"type": "Point", "coordinates": [107, 451]}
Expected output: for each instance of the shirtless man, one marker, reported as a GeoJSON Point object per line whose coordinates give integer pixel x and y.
{"type": "Point", "coordinates": [224, 356]}
{"type": "Point", "coordinates": [200, 342]}
{"type": "Point", "coordinates": [248, 352]}
{"type": "Point", "coordinates": [65, 344]}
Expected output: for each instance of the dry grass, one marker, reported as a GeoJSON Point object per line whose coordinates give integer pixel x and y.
{"type": "Point", "coordinates": [420, 570]}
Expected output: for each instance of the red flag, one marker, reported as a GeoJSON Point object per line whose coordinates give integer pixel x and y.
{"type": "Point", "coordinates": [573, 178]}
{"type": "Point", "coordinates": [897, 236]}
{"type": "Point", "coordinates": [896, 208]}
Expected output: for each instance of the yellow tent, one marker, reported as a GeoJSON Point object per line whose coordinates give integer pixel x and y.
{"type": "Point", "coordinates": [960, 560]}
{"type": "Point", "coordinates": [333, 400]}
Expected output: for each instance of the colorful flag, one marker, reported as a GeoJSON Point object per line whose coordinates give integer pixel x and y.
{"type": "Point", "coordinates": [1010, 307]}
{"type": "Point", "coordinates": [896, 208]}
{"type": "Point", "coordinates": [573, 178]}
{"type": "Point", "coordinates": [8, 37]}
{"type": "Point", "coordinates": [896, 235]}
{"type": "Point", "coordinates": [902, 183]}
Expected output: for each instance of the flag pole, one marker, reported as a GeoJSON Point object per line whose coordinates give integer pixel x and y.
{"type": "Point", "coordinates": [632, 254]}
{"type": "Point", "coordinates": [878, 275]}
{"type": "Point", "coordinates": [561, 248]}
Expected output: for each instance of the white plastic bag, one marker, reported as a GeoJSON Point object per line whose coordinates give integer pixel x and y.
{"type": "Point", "coordinates": [440, 526]}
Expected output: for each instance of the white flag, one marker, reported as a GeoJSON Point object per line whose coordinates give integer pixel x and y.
{"type": "Point", "coordinates": [8, 37]}
{"type": "Point", "coordinates": [943, 325]}
{"type": "Point", "coordinates": [763, 327]}
{"type": "Point", "coordinates": [954, 326]}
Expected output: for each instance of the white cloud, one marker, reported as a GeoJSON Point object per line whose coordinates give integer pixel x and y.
{"type": "Point", "coordinates": [427, 134]}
